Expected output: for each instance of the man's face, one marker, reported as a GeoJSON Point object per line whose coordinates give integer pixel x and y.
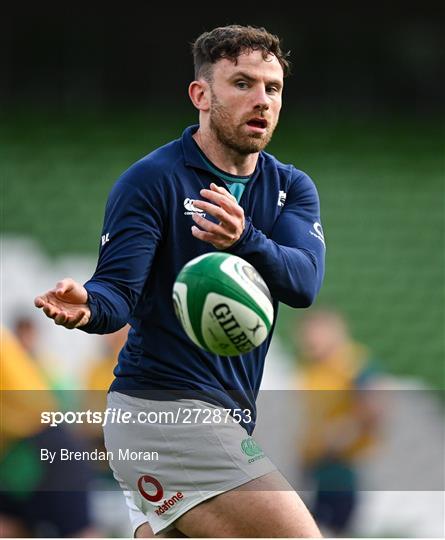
{"type": "Point", "coordinates": [246, 101]}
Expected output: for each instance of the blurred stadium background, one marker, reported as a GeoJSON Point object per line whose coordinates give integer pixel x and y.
{"type": "Point", "coordinates": [84, 93]}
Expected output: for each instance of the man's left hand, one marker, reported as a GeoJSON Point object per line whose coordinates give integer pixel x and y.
{"type": "Point", "coordinates": [224, 207]}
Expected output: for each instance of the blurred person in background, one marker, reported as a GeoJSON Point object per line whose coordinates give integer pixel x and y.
{"type": "Point", "coordinates": [110, 509]}
{"type": "Point", "coordinates": [28, 335]}
{"type": "Point", "coordinates": [100, 375]}
{"type": "Point", "coordinates": [98, 379]}
{"type": "Point", "coordinates": [36, 498]}
{"type": "Point", "coordinates": [341, 417]}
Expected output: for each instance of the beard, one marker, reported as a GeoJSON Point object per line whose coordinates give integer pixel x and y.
{"type": "Point", "coordinates": [221, 123]}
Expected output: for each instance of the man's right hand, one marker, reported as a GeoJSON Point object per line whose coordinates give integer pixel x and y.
{"type": "Point", "coordinates": [66, 304]}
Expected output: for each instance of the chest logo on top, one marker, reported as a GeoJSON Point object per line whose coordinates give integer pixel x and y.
{"type": "Point", "coordinates": [190, 208]}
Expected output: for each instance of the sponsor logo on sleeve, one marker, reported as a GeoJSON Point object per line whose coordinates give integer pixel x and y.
{"type": "Point", "coordinates": [318, 232]}
{"type": "Point", "coordinates": [105, 238]}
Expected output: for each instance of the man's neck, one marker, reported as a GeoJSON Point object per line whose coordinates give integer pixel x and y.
{"type": "Point", "coordinates": [224, 158]}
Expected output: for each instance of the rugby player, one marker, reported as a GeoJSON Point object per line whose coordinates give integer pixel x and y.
{"type": "Point", "coordinates": [212, 189]}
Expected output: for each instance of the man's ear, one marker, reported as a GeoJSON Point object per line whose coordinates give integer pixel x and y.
{"type": "Point", "coordinates": [199, 92]}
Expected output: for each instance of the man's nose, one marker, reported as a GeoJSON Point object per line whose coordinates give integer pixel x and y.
{"type": "Point", "coordinates": [261, 99]}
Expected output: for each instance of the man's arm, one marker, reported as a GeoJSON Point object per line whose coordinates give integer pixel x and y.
{"type": "Point", "coordinates": [291, 261]}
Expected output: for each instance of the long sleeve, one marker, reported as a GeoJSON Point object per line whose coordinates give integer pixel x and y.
{"type": "Point", "coordinates": [291, 261]}
{"type": "Point", "coordinates": [131, 232]}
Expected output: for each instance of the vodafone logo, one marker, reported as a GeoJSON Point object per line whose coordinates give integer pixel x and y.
{"type": "Point", "coordinates": [147, 479]}
{"type": "Point", "coordinates": [168, 503]}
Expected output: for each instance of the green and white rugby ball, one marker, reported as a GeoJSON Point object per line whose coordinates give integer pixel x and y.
{"type": "Point", "coordinates": [223, 304]}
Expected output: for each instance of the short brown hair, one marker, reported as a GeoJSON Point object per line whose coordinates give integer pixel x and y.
{"type": "Point", "coordinates": [231, 41]}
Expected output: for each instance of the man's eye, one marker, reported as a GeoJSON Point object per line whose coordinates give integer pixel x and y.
{"type": "Point", "coordinates": [272, 89]}
{"type": "Point", "coordinates": [241, 84]}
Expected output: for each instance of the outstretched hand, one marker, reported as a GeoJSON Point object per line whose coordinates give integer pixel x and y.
{"type": "Point", "coordinates": [225, 208]}
{"type": "Point", "coordinates": [66, 304]}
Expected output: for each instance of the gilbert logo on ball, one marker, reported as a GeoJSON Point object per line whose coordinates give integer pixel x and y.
{"type": "Point", "coordinates": [223, 304]}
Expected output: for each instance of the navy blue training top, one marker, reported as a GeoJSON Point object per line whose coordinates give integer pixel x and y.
{"type": "Point", "coordinates": [146, 240]}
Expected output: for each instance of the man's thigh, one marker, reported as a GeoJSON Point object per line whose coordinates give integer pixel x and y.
{"type": "Point", "coordinates": [264, 507]}
{"type": "Point", "coordinates": [198, 461]}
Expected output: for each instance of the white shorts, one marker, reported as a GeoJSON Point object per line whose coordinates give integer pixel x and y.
{"type": "Point", "coordinates": [172, 455]}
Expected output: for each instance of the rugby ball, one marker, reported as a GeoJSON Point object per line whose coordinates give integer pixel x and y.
{"type": "Point", "coordinates": [223, 304]}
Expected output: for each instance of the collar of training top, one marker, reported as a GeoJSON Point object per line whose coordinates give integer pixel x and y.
{"type": "Point", "coordinates": [192, 154]}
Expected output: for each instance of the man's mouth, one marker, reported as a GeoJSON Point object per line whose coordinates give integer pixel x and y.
{"type": "Point", "coordinates": [258, 123]}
